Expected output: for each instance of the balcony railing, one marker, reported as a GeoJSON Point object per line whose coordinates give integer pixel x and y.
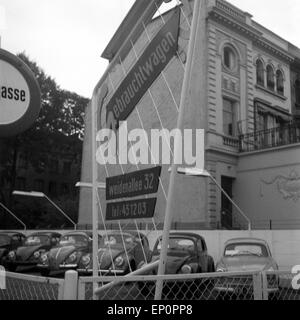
{"type": "Point", "coordinates": [271, 138]}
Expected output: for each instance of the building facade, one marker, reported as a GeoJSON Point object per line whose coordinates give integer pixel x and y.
{"type": "Point", "coordinates": [245, 93]}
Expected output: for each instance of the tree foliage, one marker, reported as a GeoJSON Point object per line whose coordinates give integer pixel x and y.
{"type": "Point", "coordinates": [59, 129]}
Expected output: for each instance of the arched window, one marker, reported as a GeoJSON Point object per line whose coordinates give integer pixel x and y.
{"type": "Point", "coordinates": [279, 82]}
{"type": "Point", "coordinates": [229, 58]}
{"type": "Point", "coordinates": [260, 75]}
{"type": "Point", "coordinates": [270, 78]}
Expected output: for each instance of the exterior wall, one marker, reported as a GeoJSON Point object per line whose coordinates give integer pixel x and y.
{"type": "Point", "coordinates": [157, 109]}
{"type": "Point", "coordinates": [270, 179]}
{"type": "Point", "coordinates": [197, 200]}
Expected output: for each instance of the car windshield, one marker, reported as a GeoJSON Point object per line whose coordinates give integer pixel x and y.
{"type": "Point", "coordinates": [37, 240]}
{"type": "Point", "coordinates": [178, 244]}
{"type": "Point", "coordinates": [115, 239]}
{"type": "Point", "coordinates": [246, 249]}
{"type": "Point", "coordinates": [4, 240]}
{"type": "Point", "coordinates": [73, 240]}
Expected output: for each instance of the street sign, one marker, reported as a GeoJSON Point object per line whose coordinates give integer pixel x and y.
{"type": "Point", "coordinates": [133, 209]}
{"type": "Point", "coordinates": [20, 97]}
{"type": "Point", "coordinates": [133, 184]}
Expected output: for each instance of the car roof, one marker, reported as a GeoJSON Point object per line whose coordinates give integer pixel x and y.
{"type": "Point", "coordinates": [186, 234]}
{"type": "Point", "coordinates": [83, 233]}
{"type": "Point", "coordinates": [11, 233]}
{"type": "Point", "coordinates": [45, 233]}
{"type": "Point", "coordinates": [248, 240]}
{"type": "Point", "coordinates": [130, 232]}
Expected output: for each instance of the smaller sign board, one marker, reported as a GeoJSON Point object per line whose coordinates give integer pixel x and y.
{"type": "Point", "coordinates": [133, 209]}
{"type": "Point", "coordinates": [133, 184]}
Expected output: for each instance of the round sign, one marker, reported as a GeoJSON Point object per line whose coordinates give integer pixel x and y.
{"type": "Point", "coordinates": [20, 96]}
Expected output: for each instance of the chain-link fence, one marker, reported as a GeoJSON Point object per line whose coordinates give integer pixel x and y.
{"type": "Point", "coordinates": [26, 287]}
{"type": "Point", "coordinates": [212, 286]}
{"type": "Point", "coordinates": [280, 285]}
{"type": "Point", "coordinates": [275, 285]}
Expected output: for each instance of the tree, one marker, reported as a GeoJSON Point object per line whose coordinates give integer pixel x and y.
{"type": "Point", "coordinates": [58, 130]}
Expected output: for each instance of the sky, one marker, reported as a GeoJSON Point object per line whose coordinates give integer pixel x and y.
{"type": "Point", "coordinates": [66, 37]}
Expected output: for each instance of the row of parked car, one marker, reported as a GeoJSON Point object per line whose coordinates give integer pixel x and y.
{"type": "Point", "coordinates": [123, 252]}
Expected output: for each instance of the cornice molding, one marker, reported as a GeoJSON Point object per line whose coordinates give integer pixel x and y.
{"type": "Point", "coordinates": [256, 36]}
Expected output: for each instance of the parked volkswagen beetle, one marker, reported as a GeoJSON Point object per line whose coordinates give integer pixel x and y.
{"type": "Point", "coordinates": [9, 240]}
{"type": "Point", "coordinates": [119, 253]}
{"type": "Point", "coordinates": [67, 254]}
{"type": "Point", "coordinates": [29, 253]}
{"type": "Point", "coordinates": [187, 253]}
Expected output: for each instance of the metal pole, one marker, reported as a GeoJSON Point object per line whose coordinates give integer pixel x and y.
{"type": "Point", "coordinates": [5, 208]}
{"type": "Point", "coordinates": [233, 203]}
{"type": "Point", "coordinates": [61, 211]}
{"type": "Point", "coordinates": [95, 188]}
{"type": "Point", "coordinates": [185, 92]}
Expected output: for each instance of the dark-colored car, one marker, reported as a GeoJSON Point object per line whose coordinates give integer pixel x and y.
{"type": "Point", "coordinates": [30, 252]}
{"type": "Point", "coordinates": [66, 255]}
{"type": "Point", "coordinates": [187, 253]}
{"type": "Point", "coordinates": [245, 255]}
{"type": "Point", "coordinates": [9, 240]}
{"type": "Point", "coordinates": [119, 253]}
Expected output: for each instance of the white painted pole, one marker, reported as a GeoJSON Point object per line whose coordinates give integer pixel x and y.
{"type": "Point", "coordinates": [71, 285]}
{"type": "Point", "coordinates": [184, 95]}
{"type": "Point", "coordinates": [95, 188]}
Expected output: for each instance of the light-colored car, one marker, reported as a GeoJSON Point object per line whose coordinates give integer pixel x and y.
{"type": "Point", "coordinates": [245, 255]}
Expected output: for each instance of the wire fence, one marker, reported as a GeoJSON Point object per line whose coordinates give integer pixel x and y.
{"type": "Point", "coordinates": [213, 286]}
{"type": "Point", "coordinates": [275, 285]}
{"type": "Point", "coordinates": [26, 287]}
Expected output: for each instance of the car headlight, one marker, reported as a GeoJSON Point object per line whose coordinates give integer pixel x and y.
{"type": "Point", "coordinates": [72, 257]}
{"type": "Point", "coordinates": [119, 261]}
{"type": "Point", "coordinates": [37, 254]}
{"type": "Point", "coordinates": [86, 259]}
{"type": "Point", "coordinates": [44, 258]}
{"type": "Point", "coordinates": [186, 269]}
{"type": "Point", "coordinates": [12, 255]}
{"type": "Point", "coordinates": [221, 269]}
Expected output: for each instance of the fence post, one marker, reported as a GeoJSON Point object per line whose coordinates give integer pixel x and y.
{"type": "Point", "coordinates": [265, 286]}
{"type": "Point", "coordinates": [71, 285]}
{"type": "Point", "coordinates": [257, 286]}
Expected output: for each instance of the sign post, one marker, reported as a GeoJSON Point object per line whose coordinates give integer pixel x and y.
{"type": "Point", "coordinates": [185, 91]}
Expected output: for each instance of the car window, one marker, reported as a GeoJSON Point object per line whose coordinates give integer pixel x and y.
{"type": "Point", "coordinates": [178, 244]}
{"type": "Point", "coordinates": [73, 239]}
{"type": "Point", "coordinates": [246, 249]}
{"type": "Point", "coordinates": [15, 238]}
{"type": "Point", "coordinates": [115, 239]}
{"type": "Point", "coordinates": [37, 240]}
{"type": "Point", "coordinates": [4, 240]}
